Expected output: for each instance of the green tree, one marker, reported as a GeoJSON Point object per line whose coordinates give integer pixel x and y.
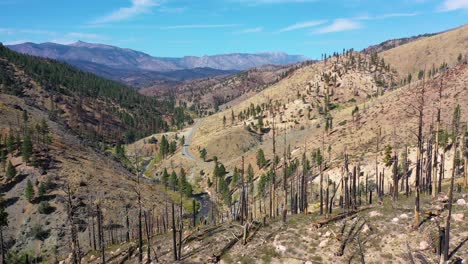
{"type": "Point", "coordinates": [224, 120]}
{"type": "Point", "coordinates": [120, 151]}
{"type": "Point", "coordinates": [11, 171]}
{"type": "Point", "coordinates": [173, 180]}
{"type": "Point", "coordinates": [27, 148]}
{"type": "Point", "coordinates": [233, 117]}
{"type": "Point", "coordinates": [182, 181]}
{"type": "Point", "coordinates": [29, 191]}
{"type": "Point", "coordinates": [164, 147]}
{"type": "Point", "coordinates": [3, 159]}
{"type": "Point", "coordinates": [261, 161]}
{"type": "Point", "coordinates": [3, 224]}
{"type": "Point", "coordinates": [235, 178]}
{"type": "Point", "coordinates": [203, 154]}
{"type": "Point", "coordinates": [165, 178]}
{"type": "Point", "coordinates": [42, 190]}
{"type": "Point", "coordinates": [182, 141]}
{"type": "Point", "coordinates": [172, 147]}
{"type": "Point", "coordinates": [10, 143]}
{"type": "Point", "coordinates": [388, 160]}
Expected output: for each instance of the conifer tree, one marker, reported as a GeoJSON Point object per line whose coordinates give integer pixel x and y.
{"type": "Point", "coordinates": [3, 159]}
{"type": "Point", "coordinates": [11, 171]}
{"type": "Point", "coordinates": [29, 191]}
{"type": "Point", "coordinates": [261, 159]}
{"type": "Point", "coordinates": [173, 180]}
{"type": "Point", "coordinates": [165, 178]}
{"type": "Point", "coordinates": [42, 189]}
{"type": "Point", "coordinates": [3, 224]}
{"type": "Point", "coordinates": [27, 148]}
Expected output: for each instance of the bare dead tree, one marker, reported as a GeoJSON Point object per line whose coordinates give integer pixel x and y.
{"type": "Point", "coordinates": [456, 126]}
{"type": "Point", "coordinates": [74, 242]}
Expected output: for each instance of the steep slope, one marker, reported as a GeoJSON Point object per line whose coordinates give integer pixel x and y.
{"type": "Point", "coordinates": [393, 43]}
{"type": "Point", "coordinates": [429, 52]}
{"type": "Point", "coordinates": [92, 106]}
{"type": "Point", "coordinates": [41, 227]}
{"type": "Point", "coordinates": [205, 96]}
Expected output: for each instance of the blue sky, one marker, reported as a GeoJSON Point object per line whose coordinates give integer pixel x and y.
{"type": "Point", "coordinates": [171, 28]}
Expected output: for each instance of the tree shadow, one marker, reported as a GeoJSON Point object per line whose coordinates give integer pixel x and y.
{"type": "Point", "coordinates": [10, 201]}
{"type": "Point", "coordinates": [10, 185]}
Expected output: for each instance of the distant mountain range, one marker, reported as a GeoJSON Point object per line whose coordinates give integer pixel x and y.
{"type": "Point", "coordinates": [140, 69]}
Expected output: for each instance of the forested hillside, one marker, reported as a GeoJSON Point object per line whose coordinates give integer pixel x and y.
{"type": "Point", "coordinates": [95, 107]}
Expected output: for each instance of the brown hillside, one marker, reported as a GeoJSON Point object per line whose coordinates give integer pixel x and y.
{"type": "Point", "coordinates": [428, 52]}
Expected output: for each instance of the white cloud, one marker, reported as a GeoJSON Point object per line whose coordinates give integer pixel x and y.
{"type": "Point", "coordinates": [385, 16]}
{"type": "Point", "coordinates": [302, 25]}
{"type": "Point", "coordinates": [15, 42]}
{"type": "Point", "coordinates": [138, 7]}
{"type": "Point", "coordinates": [251, 30]}
{"type": "Point", "coordinates": [201, 26]}
{"type": "Point", "coordinates": [450, 5]}
{"type": "Point", "coordinates": [339, 25]}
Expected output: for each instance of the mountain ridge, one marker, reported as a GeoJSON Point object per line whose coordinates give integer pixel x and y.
{"type": "Point", "coordinates": [122, 64]}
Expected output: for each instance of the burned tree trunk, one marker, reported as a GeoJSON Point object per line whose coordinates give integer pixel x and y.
{"type": "Point", "coordinates": [452, 180]}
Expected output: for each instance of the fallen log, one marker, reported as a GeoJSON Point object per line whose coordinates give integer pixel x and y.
{"type": "Point", "coordinates": [216, 257]}
{"type": "Point", "coordinates": [324, 222]}
{"type": "Point", "coordinates": [252, 234]}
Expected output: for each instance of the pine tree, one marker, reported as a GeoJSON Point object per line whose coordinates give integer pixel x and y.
{"type": "Point", "coordinates": [388, 156]}
{"type": "Point", "coordinates": [10, 143]}
{"type": "Point", "coordinates": [261, 159]}
{"type": "Point", "coordinates": [3, 224]}
{"type": "Point", "coordinates": [11, 171]}
{"type": "Point", "coordinates": [203, 154]}
{"type": "Point", "coordinates": [3, 159]}
{"type": "Point", "coordinates": [27, 148]}
{"type": "Point", "coordinates": [29, 191]}
{"type": "Point", "coordinates": [42, 190]}
{"type": "Point", "coordinates": [173, 180]}
{"type": "Point", "coordinates": [165, 178]}
{"type": "Point", "coordinates": [182, 181]}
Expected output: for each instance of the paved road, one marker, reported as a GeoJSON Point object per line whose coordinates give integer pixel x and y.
{"type": "Point", "coordinates": [188, 140]}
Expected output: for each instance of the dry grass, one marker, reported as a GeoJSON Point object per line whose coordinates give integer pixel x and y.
{"type": "Point", "coordinates": [423, 53]}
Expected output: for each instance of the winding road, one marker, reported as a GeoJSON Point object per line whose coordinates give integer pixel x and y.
{"type": "Point", "coordinates": [188, 140]}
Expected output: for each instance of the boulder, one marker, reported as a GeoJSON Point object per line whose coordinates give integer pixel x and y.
{"type": "Point", "coordinates": [458, 217]}
{"type": "Point", "coordinates": [365, 229]}
{"type": "Point", "coordinates": [374, 214]}
{"type": "Point", "coordinates": [423, 245]}
{"type": "Point", "coordinates": [395, 220]}
{"type": "Point", "coordinates": [280, 249]}
{"type": "Point", "coordinates": [323, 243]}
{"type": "Point", "coordinates": [461, 202]}
{"type": "Point", "coordinates": [403, 216]}
{"type": "Point", "coordinates": [443, 198]}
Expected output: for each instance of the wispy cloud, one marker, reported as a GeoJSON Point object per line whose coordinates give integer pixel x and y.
{"type": "Point", "coordinates": [251, 30]}
{"type": "Point", "coordinates": [302, 25]}
{"type": "Point", "coordinates": [339, 25]}
{"type": "Point", "coordinates": [194, 26]}
{"type": "Point", "coordinates": [138, 7]}
{"type": "Point", "coordinates": [451, 5]}
{"type": "Point", "coordinates": [175, 10]}
{"type": "Point", "coordinates": [385, 16]}
{"type": "Point", "coordinates": [13, 31]}
{"type": "Point", "coordinates": [15, 42]}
